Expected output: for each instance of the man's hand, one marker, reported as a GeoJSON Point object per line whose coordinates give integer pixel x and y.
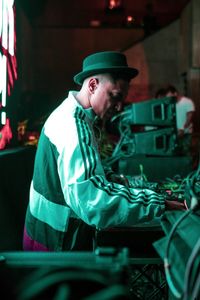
{"type": "Point", "coordinates": [175, 205]}
{"type": "Point", "coordinates": [121, 179]}
{"type": "Point", "coordinates": [181, 132]}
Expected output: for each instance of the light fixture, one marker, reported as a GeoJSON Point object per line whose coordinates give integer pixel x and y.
{"type": "Point", "coordinates": [114, 5]}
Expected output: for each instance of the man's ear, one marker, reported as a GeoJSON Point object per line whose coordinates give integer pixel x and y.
{"type": "Point", "coordinates": [92, 84]}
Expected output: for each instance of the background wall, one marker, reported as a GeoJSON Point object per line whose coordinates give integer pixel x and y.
{"type": "Point", "coordinates": [157, 58]}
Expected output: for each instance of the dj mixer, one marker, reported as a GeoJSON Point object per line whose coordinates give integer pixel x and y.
{"type": "Point", "coordinates": [180, 189]}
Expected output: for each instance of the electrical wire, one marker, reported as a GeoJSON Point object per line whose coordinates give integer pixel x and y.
{"type": "Point", "coordinates": [188, 272]}
{"type": "Point", "coordinates": [167, 264]}
{"type": "Point", "coordinates": [55, 278]}
{"type": "Point", "coordinates": [125, 146]}
{"type": "Point", "coordinates": [196, 290]}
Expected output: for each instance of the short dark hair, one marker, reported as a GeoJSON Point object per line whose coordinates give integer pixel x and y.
{"type": "Point", "coordinates": [160, 93]}
{"type": "Point", "coordinates": [171, 88]}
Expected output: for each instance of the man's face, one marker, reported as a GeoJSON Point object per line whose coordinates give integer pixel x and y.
{"type": "Point", "coordinates": [170, 94]}
{"type": "Point", "coordinates": [109, 96]}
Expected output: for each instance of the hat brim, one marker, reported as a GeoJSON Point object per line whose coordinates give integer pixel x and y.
{"type": "Point", "coordinates": [129, 72]}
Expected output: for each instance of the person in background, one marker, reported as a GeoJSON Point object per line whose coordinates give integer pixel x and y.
{"type": "Point", "coordinates": [71, 195]}
{"type": "Point", "coordinates": [185, 109]}
{"type": "Point", "coordinates": [160, 93]}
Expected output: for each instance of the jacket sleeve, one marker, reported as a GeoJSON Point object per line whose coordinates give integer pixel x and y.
{"type": "Point", "coordinates": [91, 196]}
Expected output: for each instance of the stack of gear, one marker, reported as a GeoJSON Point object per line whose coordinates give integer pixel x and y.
{"type": "Point", "coordinates": [159, 137]}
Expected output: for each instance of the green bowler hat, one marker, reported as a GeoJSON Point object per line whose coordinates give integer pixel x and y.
{"type": "Point", "coordinates": [105, 62]}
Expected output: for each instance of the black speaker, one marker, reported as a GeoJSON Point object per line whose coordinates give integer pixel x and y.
{"type": "Point", "coordinates": [16, 167]}
{"type": "Point", "coordinates": [154, 112]}
{"type": "Point", "coordinates": [153, 142]}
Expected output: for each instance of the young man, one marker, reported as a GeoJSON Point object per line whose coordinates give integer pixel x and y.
{"type": "Point", "coordinates": [184, 118]}
{"type": "Point", "coordinates": [70, 195]}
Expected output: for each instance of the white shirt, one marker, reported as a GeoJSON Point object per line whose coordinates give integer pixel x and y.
{"type": "Point", "coordinates": [183, 106]}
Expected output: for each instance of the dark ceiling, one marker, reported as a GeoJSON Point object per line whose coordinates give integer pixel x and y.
{"type": "Point", "coordinates": [86, 13]}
